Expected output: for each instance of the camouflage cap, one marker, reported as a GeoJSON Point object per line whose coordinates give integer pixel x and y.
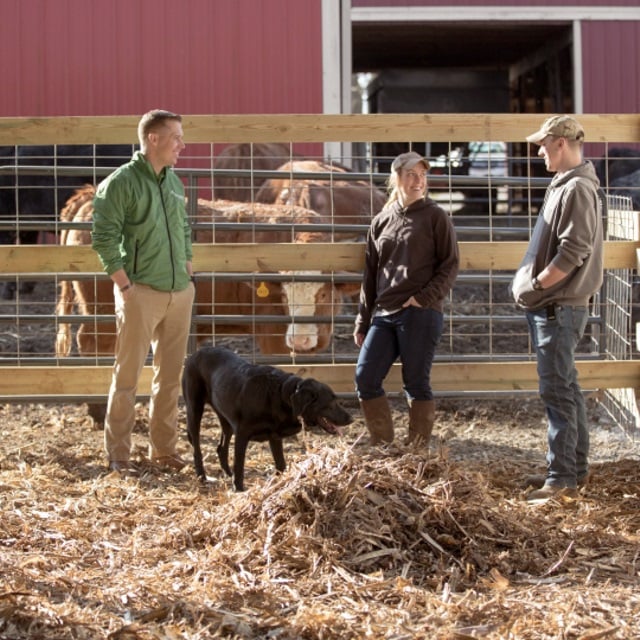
{"type": "Point", "coordinates": [561, 127]}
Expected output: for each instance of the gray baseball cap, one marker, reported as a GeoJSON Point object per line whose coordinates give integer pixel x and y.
{"type": "Point", "coordinates": [409, 160]}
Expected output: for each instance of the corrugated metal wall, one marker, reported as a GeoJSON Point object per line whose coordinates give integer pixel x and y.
{"type": "Point", "coordinates": [611, 63]}
{"type": "Point", "coordinates": [117, 57]}
{"type": "Point", "coordinates": [91, 57]}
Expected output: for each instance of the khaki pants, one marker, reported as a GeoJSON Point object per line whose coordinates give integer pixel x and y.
{"type": "Point", "coordinates": [161, 320]}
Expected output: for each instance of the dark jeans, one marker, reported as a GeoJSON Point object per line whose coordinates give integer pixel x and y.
{"type": "Point", "coordinates": [555, 337]}
{"type": "Point", "coordinates": [412, 334]}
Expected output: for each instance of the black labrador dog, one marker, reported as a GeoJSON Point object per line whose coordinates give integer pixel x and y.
{"type": "Point", "coordinates": [252, 402]}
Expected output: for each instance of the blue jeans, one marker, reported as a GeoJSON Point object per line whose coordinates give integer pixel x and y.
{"type": "Point", "coordinates": [413, 334]}
{"type": "Point", "coordinates": [555, 340]}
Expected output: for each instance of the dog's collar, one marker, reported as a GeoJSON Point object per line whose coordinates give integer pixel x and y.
{"type": "Point", "coordinates": [290, 386]}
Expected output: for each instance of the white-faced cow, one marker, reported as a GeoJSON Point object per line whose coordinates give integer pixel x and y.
{"type": "Point", "coordinates": [294, 297]}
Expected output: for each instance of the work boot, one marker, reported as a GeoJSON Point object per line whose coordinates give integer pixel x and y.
{"type": "Point", "coordinates": [123, 467]}
{"type": "Point", "coordinates": [538, 480]}
{"type": "Point", "coordinates": [549, 491]}
{"type": "Point", "coordinates": [377, 417]}
{"type": "Point", "coordinates": [422, 415]}
{"type": "Point", "coordinates": [171, 462]}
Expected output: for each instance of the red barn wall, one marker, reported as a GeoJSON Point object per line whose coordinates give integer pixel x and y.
{"type": "Point", "coordinates": [611, 63]}
{"type": "Point", "coordinates": [122, 57]}
{"type": "Point", "coordinates": [90, 57]}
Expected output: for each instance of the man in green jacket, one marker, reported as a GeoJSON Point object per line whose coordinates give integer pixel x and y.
{"type": "Point", "coordinates": [143, 238]}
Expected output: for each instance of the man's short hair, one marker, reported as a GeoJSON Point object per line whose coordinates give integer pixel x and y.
{"type": "Point", "coordinates": [153, 121]}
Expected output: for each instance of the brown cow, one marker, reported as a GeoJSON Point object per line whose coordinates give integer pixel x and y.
{"type": "Point", "coordinates": [255, 296]}
{"type": "Point", "coordinates": [340, 201]}
{"type": "Point", "coordinates": [91, 297]}
{"type": "Point", "coordinates": [258, 156]}
{"type": "Point", "coordinates": [259, 296]}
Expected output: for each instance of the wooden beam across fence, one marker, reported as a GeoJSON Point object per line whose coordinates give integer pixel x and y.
{"type": "Point", "coordinates": [71, 381]}
{"type": "Point", "coordinates": [380, 127]}
{"type": "Point", "coordinates": [61, 381]}
{"type": "Point", "coordinates": [264, 258]}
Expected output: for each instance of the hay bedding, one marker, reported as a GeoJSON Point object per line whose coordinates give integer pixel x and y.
{"type": "Point", "coordinates": [350, 542]}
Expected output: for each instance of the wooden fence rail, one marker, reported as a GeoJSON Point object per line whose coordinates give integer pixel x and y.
{"type": "Point", "coordinates": [382, 127]}
{"type": "Point", "coordinates": [93, 381]}
{"type": "Point", "coordinates": [265, 258]}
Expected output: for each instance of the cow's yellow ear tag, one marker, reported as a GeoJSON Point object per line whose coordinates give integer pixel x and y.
{"type": "Point", "coordinates": [262, 290]}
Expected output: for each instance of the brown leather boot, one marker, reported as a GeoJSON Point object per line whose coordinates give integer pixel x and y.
{"type": "Point", "coordinates": [377, 417]}
{"type": "Point", "coordinates": [422, 415]}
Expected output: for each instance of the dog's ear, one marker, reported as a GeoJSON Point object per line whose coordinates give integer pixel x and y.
{"type": "Point", "coordinates": [301, 399]}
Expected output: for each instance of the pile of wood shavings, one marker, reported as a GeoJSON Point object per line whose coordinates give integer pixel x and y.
{"type": "Point", "coordinates": [350, 542]}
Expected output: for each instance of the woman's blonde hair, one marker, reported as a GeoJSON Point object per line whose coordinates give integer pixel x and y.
{"type": "Point", "coordinates": [392, 188]}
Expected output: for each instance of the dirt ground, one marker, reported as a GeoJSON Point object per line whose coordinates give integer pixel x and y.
{"type": "Point", "coordinates": [350, 542]}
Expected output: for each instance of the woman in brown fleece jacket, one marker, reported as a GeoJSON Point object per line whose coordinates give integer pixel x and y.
{"type": "Point", "coordinates": [411, 264]}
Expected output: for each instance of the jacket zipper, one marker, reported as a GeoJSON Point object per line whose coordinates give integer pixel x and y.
{"type": "Point", "coordinates": [135, 257]}
{"type": "Point", "coordinates": [166, 222]}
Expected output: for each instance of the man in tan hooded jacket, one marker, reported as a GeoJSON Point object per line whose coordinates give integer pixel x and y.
{"type": "Point", "coordinates": [561, 270]}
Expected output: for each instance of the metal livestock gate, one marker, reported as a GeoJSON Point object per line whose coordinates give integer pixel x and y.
{"type": "Point", "coordinates": [485, 349]}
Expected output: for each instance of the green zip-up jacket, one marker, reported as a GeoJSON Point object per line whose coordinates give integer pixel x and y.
{"type": "Point", "coordinates": [140, 225]}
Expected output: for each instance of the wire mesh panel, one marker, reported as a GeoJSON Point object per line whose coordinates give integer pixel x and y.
{"type": "Point", "coordinates": [619, 294]}
{"type": "Point", "coordinates": [36, 183]}
{"type": "Point", "coordinates": [37, 180]}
